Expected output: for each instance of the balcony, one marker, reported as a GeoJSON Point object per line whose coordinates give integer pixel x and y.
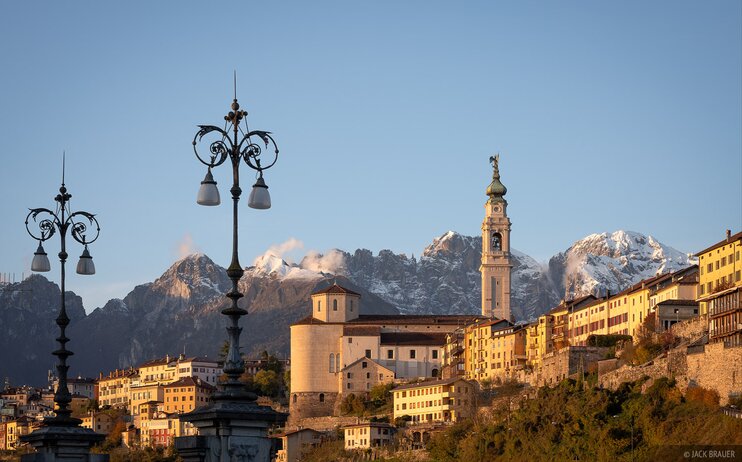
{"type": "Point", "coordinates": [725, 330]}
{"type": "Point", "coordinates": [720, 309]}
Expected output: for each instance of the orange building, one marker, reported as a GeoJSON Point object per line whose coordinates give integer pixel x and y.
{"type": "Point", "coordinates": [187, 394]}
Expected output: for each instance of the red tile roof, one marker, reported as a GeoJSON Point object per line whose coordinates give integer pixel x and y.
{"type": "Point", "coordinates": [382, 319]}
{"type": "Point", "coordinates": [735, 237]}
{"type": "Point", "coordinates": [413, 338]}
{"type": "Point", "coordinates": [336, 289]}
{"type": "Point", "coordinates": [190, 382]}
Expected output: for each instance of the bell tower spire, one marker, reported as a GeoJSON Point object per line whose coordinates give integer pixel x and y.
{"type": "Point", "coordinates": [496, 266]}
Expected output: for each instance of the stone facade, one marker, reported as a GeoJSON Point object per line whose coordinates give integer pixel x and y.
{"type": "Point", "coordinates": [709, 366]}
{"type": "Point", "coordinates": [560, 364]}
{"type": "Point", "coordinates": [310, 404]}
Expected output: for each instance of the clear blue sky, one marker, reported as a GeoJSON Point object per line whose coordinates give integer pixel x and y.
{"type": "Point", "coordinates": [608, 115]}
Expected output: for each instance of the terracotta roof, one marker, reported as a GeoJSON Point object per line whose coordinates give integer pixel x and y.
{"type": "Point", "coordinates": [382, 319]}
{"type": "Point", "coordinates": [189, 382]}
{"type": "Point", "coordinates": [362, 331]}
{"type": "Point", "coordinates": [367, 360]}
{"type": "Point", "coordinates": [336, 289]}
{"type": "Point", "coordinates": [430, 383]}
{"type": "Point", "coordinates": [157, 362]}
{"type": "Point", "coordinates": [455, 319]}
{"type": "Point", "coordinates": [734, 237]}
{"type": "Point", "coordinates": [678, 302]}
{"type": "Point", "coordinates": [492, 322]}
{"type": "Point", "coordinates": [573, 304]}
{"type": "Point", "coordinates": [413, 338]}
{"type": "Point", "coordinates": [370, 424]}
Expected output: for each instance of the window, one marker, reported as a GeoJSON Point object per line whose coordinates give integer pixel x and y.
{"type": "Point", "coordinates": [321, 395]}
{"type": "Point", "coordinates": [368, 375]}
{"type": "Point", "coordinates": [435, 352]}
{"type": "Point", "coordinates": [368, 353]}
{"type": "Point", "coordinates": [412, 354]}
{"type": "Point", "coordinates": [350, 339]}
{"type": "Point", "coordinates": [364, 365]}
{"type": "Point", "coordinates": [337, 362]}
{"type": "Point", "coordinates": [334, 305]}
{"type": "Point", "coordinates": [389, 354]}
{"type": "Point", "coordinates": [351, 305]}
{"type": "Point", "coordinates": [350, 375]}
{"type": "Point", "coordinates": [319, 306]}
{"type": "Point", "coordinates": [332, 362]}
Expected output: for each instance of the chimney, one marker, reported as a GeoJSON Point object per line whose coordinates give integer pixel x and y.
{"type": "Point", "coordinates": [729, 235]}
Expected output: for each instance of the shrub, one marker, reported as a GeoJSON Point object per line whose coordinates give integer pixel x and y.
{"type": "Point", "coordinates": [702, 395]}
{"type": "Point", "coordinates": [606, 340]}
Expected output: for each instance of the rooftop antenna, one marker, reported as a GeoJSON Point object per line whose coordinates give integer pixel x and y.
{"type": "Point", "coordinates": [64, 154]}
{"type": "Point", "coordinates": [235, 84]}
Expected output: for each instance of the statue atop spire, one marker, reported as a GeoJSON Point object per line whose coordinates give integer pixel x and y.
{"type": "Point", "coordinates": [496, 189]}
{"type": "Point", "coordinates": [495, 161]}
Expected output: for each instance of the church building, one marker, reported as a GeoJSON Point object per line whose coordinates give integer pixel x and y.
{"type": "Point", "coordinates": [336, 350]}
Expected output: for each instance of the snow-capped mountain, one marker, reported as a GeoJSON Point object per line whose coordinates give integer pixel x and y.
{"type": "Point", "coordinates": [180, 310]}
{"type": "Point", "coordinates": [613, 262]}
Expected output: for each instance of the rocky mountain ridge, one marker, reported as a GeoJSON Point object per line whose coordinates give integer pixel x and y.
{"type": "Point", "coordinates": [181, 309]}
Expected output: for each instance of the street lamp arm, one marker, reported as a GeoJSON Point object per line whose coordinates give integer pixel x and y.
{"type": "Point", "coordinates": [47, 226]}
{"type": "Point", "coordinates": [252, 151]}
{"type": "Point", "coordinates": [79, 228]}
{"type": "Point", "coordinates": [218, 150]}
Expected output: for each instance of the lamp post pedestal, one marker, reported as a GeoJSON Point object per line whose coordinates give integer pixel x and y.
{"type": "Point", "coordinates": [229, 430]}
{"type": "Point", "coordinates": [68, 444]}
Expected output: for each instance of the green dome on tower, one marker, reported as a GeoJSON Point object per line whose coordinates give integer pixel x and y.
{"type": "Point", "coordinates": [496, 189]}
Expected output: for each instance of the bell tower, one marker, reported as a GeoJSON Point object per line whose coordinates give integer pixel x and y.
{"type": "Point", "coordinates": [496, 266]}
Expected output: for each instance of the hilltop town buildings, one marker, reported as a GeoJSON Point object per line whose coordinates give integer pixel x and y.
{"type": "Point", "coordinates": [719, 289]}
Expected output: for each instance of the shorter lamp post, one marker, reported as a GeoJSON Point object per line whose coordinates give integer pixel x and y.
{"type": "Point", "coordinates": [61, 437]}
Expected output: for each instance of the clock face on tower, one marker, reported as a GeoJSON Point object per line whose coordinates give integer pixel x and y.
{"type": "Point", "coordinates": [496, 209]}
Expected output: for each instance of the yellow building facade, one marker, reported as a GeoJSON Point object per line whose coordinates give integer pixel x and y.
{"type": "Point", "coordinates": [496, 349]}
{"type": "Point", "coordinates": [367, 435]}
{"type": "Point", "coordinates": [436, 400]}
{"type": "Point", "coordinates": [114, 389]}
{"type": "Point", "coordinates": [720, 289]}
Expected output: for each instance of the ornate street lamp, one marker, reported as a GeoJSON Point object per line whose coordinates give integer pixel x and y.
{"type": "Point", "coordinates": [62, 435]}
{"type": "Point", "coordinates": [233, 426]}
{"type": "Point", "coordinates": [49, 223]}
{"type": "Point", "coordinates": [237, 145]}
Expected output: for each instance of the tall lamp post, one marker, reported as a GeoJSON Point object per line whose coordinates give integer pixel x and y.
{"type": "Point", "coordinates": [61, 436]}
{"type": "Point", "coordinates": [233, 423]}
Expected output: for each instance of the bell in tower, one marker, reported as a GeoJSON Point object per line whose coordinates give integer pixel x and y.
{"type": "Point", "coordinates": [496, 266]}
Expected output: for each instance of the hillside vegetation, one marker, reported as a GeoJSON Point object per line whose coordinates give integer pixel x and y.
{"type": "Point", "coordinates": [574, 422]}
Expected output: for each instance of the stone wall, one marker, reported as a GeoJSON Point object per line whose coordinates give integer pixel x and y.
{"type": "Point", "coordinates": [692, 329]}
{"type": "Point", "coordinates": [558, 365]}
{"type": "Point", "coordinates": [324, 423]}
{"type": "Point", "coordinates": [303, 405]}
{"type": "Point", "coordinates": [711, 366]}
